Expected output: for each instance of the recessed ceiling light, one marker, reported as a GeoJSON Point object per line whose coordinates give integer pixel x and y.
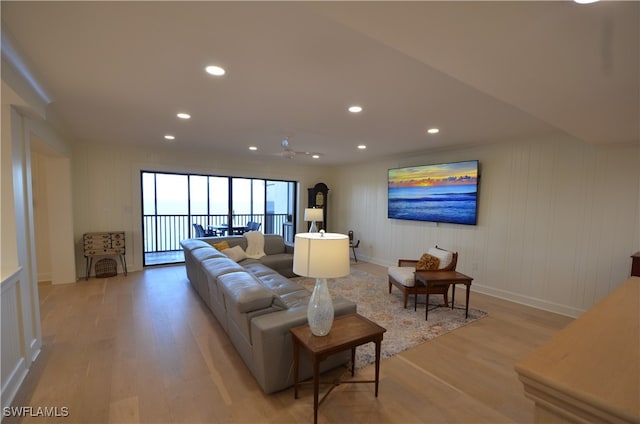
{"type": "Point", "coordinates": [315, 156]}
{"type": "Point", "coordinates": [433, 131]}
{"type": "Point", "coordinates": [362, 147]}
{"type": "Point", "coordinates": [585, 1]}
{"type": "Point", "coordinates": [183, 115]}
{"type": "Point", "coordinates": [215, 70]}
{"type": "Point", "coordinates": [355, 109]}
{"type": "Point", "coordinates": [169, 137]}
{"type": "Point", "coordinates": [253, 148]}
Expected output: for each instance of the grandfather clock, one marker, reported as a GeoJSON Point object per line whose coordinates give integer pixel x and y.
{"type": "Point", "coordinates": [318, 195]}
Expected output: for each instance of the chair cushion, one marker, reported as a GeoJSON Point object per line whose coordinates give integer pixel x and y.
{"type": "Point", "coordinates": [404, 275]}
{"type": "Point", "coordinates": [444, 255]}
{"type": "Point", "coordinates": [428, 262]}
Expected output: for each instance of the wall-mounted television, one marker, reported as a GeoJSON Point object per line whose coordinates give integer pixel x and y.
{"type": "Point", "coordinates": [445, 192]}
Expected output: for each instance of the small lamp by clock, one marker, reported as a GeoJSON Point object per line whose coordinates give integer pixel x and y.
{"type": "Point", "coordinates": [313, 215]}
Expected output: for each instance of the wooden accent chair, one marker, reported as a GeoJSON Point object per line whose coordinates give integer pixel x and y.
{"type": "Point", "coordinates": [403, 276]}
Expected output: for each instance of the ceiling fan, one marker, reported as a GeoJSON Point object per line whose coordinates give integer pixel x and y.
{"type": "Point", "coordinates": [289, 153]}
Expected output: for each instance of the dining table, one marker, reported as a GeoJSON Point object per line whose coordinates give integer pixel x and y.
{"type": "Point", "coordinates": [223, 229]}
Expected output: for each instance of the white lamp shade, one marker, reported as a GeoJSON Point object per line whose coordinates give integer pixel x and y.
{"type": "Point", "coordinates": [321, 255]}
{"type": "Point", "coordinates": [313, 214]}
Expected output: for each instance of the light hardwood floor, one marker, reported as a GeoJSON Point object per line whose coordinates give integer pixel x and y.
{"type": "Point", "coordinates": [145, 348]}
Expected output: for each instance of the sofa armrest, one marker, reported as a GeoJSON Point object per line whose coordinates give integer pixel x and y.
{"type": "Point", "coordinates": [273, 346]}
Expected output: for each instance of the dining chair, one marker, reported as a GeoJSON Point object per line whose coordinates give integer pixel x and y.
{"type": "Point", "coordinates": [353, 245]}
{"type": "Point", "coordinates": [199, 230]}
{"type": "Point", "coordinates": [253, 226]}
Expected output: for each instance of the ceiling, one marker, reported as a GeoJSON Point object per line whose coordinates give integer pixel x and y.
{"type": "Point", "coordinates": [482, 72]}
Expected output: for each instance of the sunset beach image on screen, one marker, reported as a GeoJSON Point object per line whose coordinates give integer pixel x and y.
{"type": "Point", "coordinates": [446, 192]}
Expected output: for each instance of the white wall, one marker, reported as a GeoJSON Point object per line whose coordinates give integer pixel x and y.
{"type": "Point", "coordinates": [106, 185]}
{"type": "Point", "coordinates": [41, 216]}
{"type": "Point", "coordinates": [61, 223]}
{"type": "Point", "coordinates": [8, 249]}
{"type": "Point", "coordinates": [13, 355]}
{"type": "Point", "coordinates": [557, 220]}
{"type": "Point", "coordinates": [52, 204]}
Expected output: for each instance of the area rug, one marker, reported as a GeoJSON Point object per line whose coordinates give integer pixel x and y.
{"type": "Point", "coordinates": [406, 328]}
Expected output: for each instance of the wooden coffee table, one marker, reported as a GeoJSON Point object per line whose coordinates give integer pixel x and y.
{"type": "Point", "coordinates": [428, 279]}
{"type": "Point", "coordinates": [348, 332]}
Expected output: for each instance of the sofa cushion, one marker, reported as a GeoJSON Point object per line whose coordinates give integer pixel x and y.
{"type": "Point", "coordinates": [281, 262]}
{"type": "Point", "coordinates": [280, 284]}
{"type": "Point", "coordinates": [244, 292]}
{"type": "Point", "coordinates": [257, 268]}
{"type": "Point", "coordinates": [293, 299]}
{"type": "Point", "coordinates": [404, 275]}
{"type": "Point", "coordinates": [273, 244]}
{"type": "Point", "coordinates": [220, 265]}
{"type": "Point", "coordinates": [269, 239]}
{"type": "Point", "coordinates": [237, 241]}
{"type": "Point", "coordinates": [205, 253]}
{"type": "Point", "coordinates": [192, 244]}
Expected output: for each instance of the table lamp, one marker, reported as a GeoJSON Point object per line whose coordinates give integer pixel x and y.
{"type": "Point", "coordinates": [321, 256]}
{"type": "Point", "coordinates": [313, 215]}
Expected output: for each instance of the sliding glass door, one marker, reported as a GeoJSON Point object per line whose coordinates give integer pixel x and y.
{"type": "Point", "coordinates": [176, 205]}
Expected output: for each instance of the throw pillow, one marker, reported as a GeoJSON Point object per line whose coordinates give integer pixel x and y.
{"type": "Point", "coordinates": [444, 255]}
{"type": "Point", "coordinates": [427, 263]}
{"type": "Point", "coordinates": [236, 253]}
{"type": "Point", "coordinates": [221, 246]}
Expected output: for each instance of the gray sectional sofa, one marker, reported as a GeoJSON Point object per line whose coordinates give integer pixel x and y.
{"type": "Point", "coordinates": [257, 305]}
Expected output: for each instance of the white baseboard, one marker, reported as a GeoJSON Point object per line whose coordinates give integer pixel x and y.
{"type": "Point", "coordinates": [528, 301]}
{"type": "Point", "coordinates": [13, 383]}
{"type": "Point", "coordinates": [44, 277]}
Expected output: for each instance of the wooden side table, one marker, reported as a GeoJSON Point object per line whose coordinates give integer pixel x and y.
{"type": "Point", "coordinates": [348, 332]}
{"type": "Point", "coordinates": [431, 278]}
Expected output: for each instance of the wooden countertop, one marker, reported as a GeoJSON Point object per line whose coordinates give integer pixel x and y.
{"type": "Point", "coordinates": [592, 366]}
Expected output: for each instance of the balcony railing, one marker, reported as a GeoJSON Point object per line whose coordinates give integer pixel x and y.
{"type": "Point", "coordinates": [163, 233]}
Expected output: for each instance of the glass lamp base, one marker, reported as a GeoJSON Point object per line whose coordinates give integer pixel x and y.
{"type": "Point", "coordinates": [320, 309]}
